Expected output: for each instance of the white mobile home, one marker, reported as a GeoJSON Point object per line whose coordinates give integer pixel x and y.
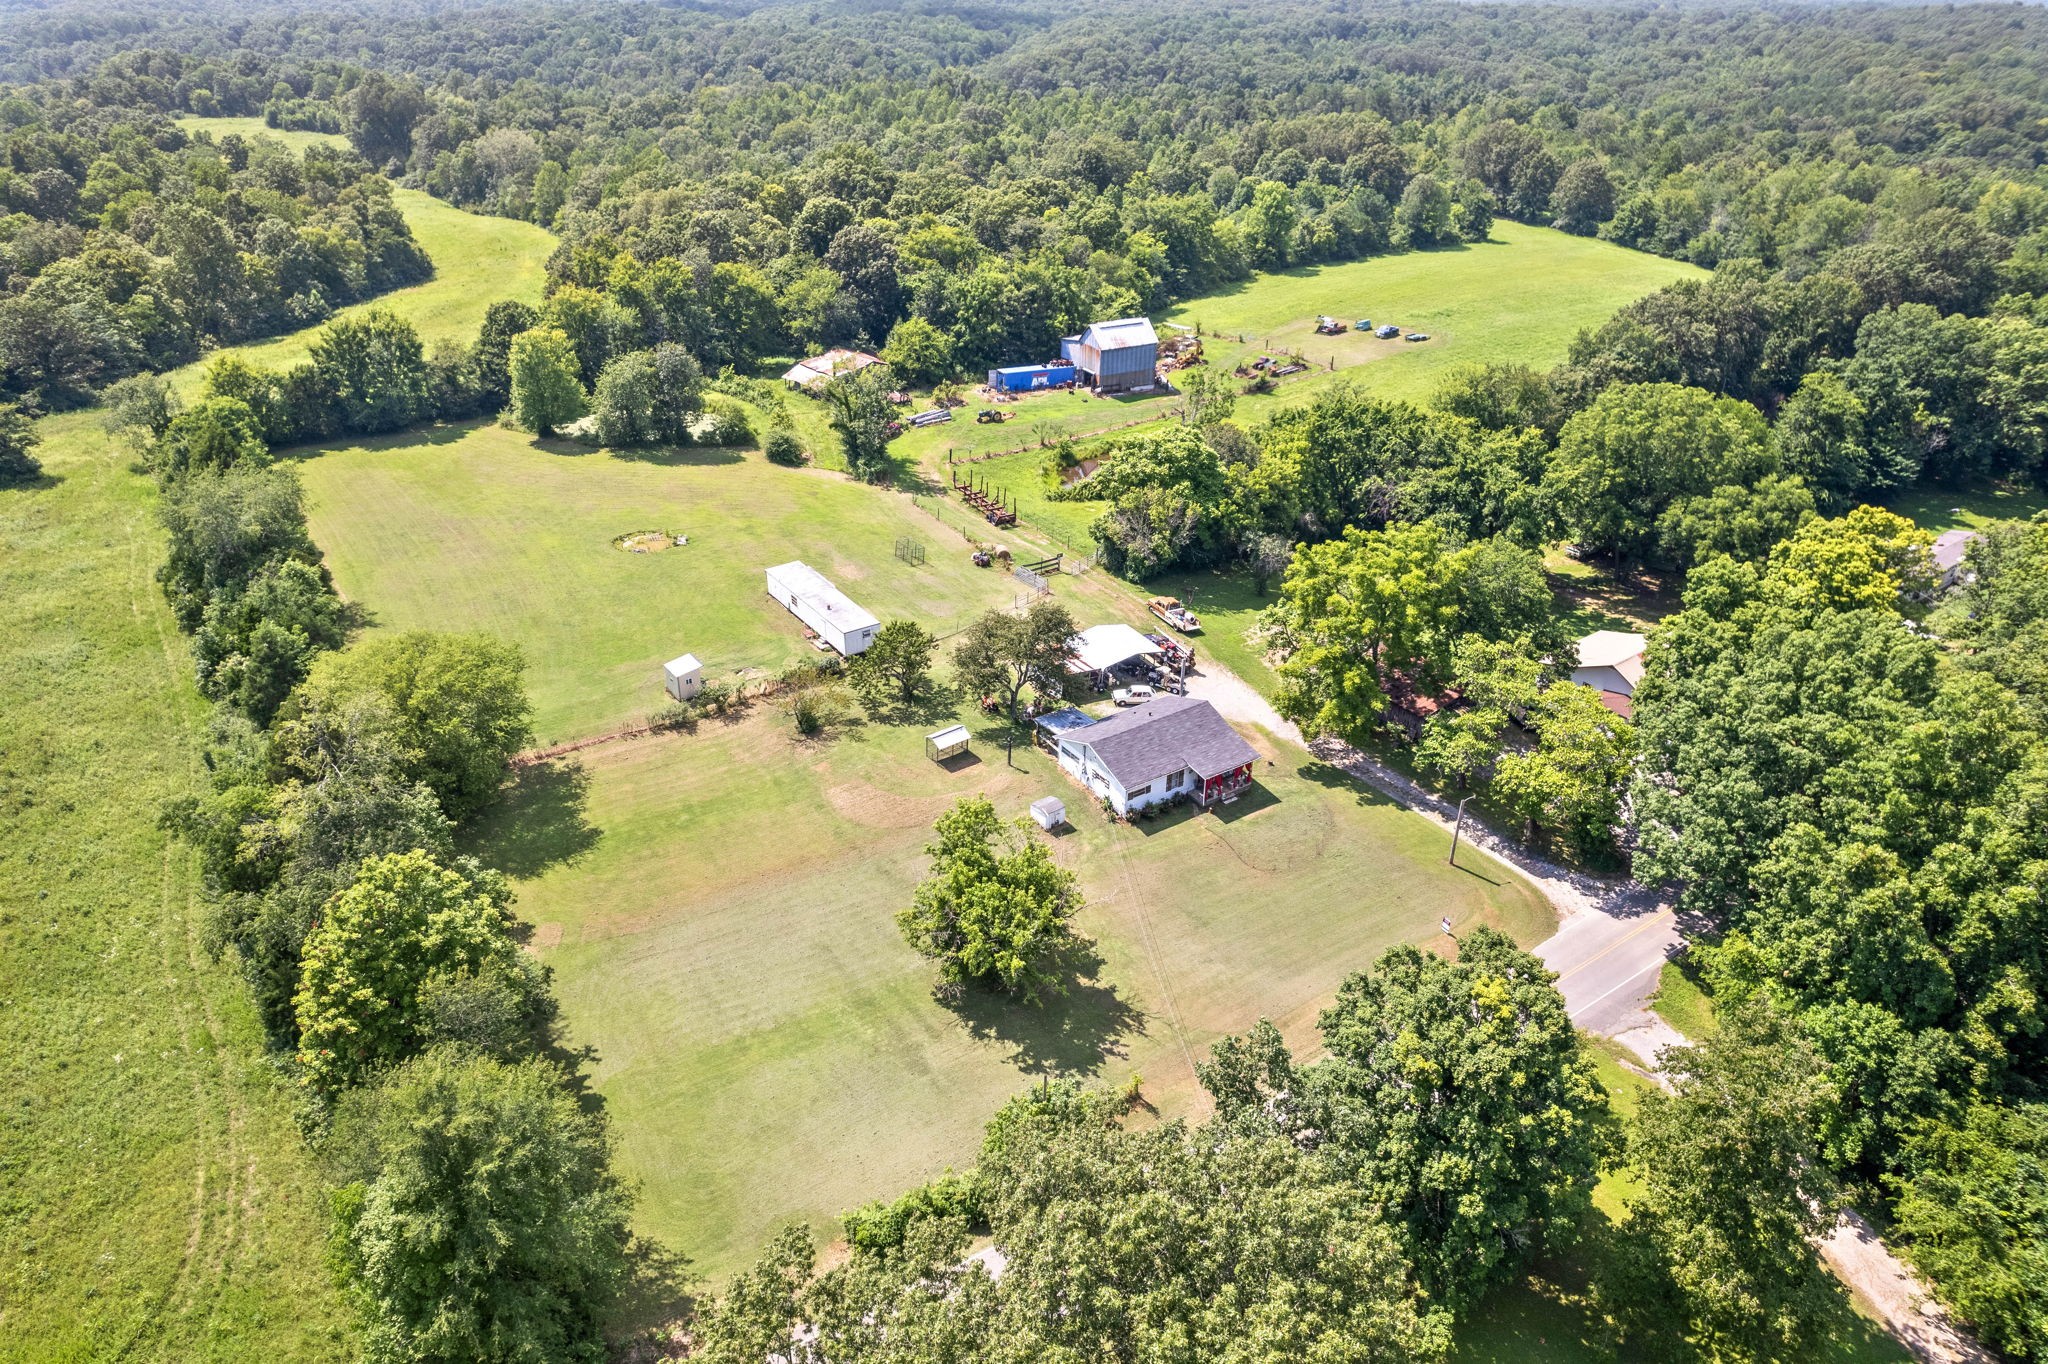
{"type": "Point", "coordinates": [830, 613]}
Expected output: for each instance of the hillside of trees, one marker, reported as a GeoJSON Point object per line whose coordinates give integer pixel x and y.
{"type": "Point", "coordinates": [127, 246]}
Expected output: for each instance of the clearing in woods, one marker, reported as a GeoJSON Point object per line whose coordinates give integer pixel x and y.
{"type": "Point", "coordinates": [1519, 297]}
{"type": "Point", "coordinates": [719, 913]}
{"type": "Point", "coordinates": [718, 907]}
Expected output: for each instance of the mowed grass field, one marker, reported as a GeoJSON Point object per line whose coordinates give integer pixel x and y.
{"type": "Point", "coordinates": [157, 1203]}
{"type": "Point", "coordinates": [483, 528]}
{"type": "Point", "coordinates": [1519, 297]}
{"type": "Point", "coordinates": [718, 910]}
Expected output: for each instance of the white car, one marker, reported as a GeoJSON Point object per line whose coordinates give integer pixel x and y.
{"type": "Point", "coordinates": [1132, 696]}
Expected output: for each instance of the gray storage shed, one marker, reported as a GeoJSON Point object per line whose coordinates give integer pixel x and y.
{"type": "Point", "coordinates": [1115, 357]}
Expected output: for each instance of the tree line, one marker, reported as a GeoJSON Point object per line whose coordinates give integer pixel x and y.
{"type": "Point", "coordinates": [386, 967]}
{"type": "Point", "coordinates": [127, 246]}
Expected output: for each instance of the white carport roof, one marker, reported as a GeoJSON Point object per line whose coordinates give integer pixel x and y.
{"type": "Point", "coordinates": [1104, 646]}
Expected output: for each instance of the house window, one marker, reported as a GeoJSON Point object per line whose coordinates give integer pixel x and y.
{"type": "Point", "coordinates": [1173, 782]}
{"type": "Point", "coordinates": [1144, 790]}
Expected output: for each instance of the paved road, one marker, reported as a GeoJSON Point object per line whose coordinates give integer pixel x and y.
{"type": "Point", "coordinates": [1607, 965]}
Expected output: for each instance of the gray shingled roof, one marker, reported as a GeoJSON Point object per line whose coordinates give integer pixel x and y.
{"type": "Point", "coordinates": [1164, 735]}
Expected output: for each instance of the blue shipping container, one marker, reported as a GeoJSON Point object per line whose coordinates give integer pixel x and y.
{"type": "Point", "coordinates": [1024, 378]}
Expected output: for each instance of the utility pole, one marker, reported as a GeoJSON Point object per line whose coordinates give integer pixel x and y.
{"type": "Point", "coordinates": [1457, 831]}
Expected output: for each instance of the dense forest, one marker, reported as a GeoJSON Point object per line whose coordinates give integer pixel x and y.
{"type": "Point", "coordinates": [1841, 769]}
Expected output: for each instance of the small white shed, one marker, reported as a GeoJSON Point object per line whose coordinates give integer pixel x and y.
{"type": "Point", "coordinates": [683, 676]}
{"type": "Point", "coordinates": [1050, 812]}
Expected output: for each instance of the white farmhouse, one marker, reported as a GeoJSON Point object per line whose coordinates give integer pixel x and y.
{"type": "Point", "coordinates": [831, 614]}
{"type": "Point", "coordinates": [1172, 746]}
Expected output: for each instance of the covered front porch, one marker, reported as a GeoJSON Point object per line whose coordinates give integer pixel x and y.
{"type": "Point", "coordinates": [1224, 787]}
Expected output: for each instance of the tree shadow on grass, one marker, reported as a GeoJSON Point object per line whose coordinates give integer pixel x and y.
{"type": "Point", "coordinates": [1337, 779]}
{"type": "Point", "coordinates": [671, 457]}
{"type": "Point", "coordinates": [658, 1297]}
{"type": "Point", "coordinates": [539, 823]}
{"type": "Point", "coordinates": [411, 438]}
{"type": "Point", "coordinates": [936, 704]}
{"type": "Point", "coordinates": [1076, 1032]}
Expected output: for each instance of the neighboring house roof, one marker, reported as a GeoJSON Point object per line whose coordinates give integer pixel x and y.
{"type": "Point", "coordinates": [1125, 331]}
{"type": "Point", "coordinates": [1164, 736]}
{"type": "Point", "coordinates": [836, 361]}
{"type": "Point", "coordinates": [1104, 646]}
{"type": "Point", "coordinates": [1949, 548]}
{"type": "Point", "coordinates": [1620, 703]}
{"type": "Point", "coordinates": [1621, 650]}
{"type": "Point", "coordinates": [1064, 721]}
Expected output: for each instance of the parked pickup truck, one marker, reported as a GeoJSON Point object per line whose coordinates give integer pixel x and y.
{"type": "Point", "coordinates": [1173, 613]}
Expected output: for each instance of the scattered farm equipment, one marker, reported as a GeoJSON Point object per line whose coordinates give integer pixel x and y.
{"type": "Point", "coordinates": [997, 509]}
{"type": "Point", "coordinates": [988, 414]}
{"type": "Point", "coordinates": [1176, 654]}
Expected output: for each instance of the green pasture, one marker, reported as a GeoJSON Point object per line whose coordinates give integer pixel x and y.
{"type": "Point", "coordinates": [253, 127]}
{"type": "Point", "coordinates": [160, 1203]}
{"type": "Point", "coordinates": [1520, 297]}
{"type": "Point", "coordinates": [718, 912]}
{"type": "Point", "coordinates": [1940, 509]}
{"type": "Point", "coordinates": [478, 527]}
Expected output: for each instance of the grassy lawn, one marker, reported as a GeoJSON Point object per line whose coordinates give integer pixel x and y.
{"type": "Point", "coordinates": [1681, 1002]}
{"type": "Point", "coordinates": [158, 1203]}
{"type": "Point", "coordinates": [1940, 509]}
{"type": "Point", "coordinates": [479, 527]}
{"type": "Point", "coordinates": [718, 911]}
